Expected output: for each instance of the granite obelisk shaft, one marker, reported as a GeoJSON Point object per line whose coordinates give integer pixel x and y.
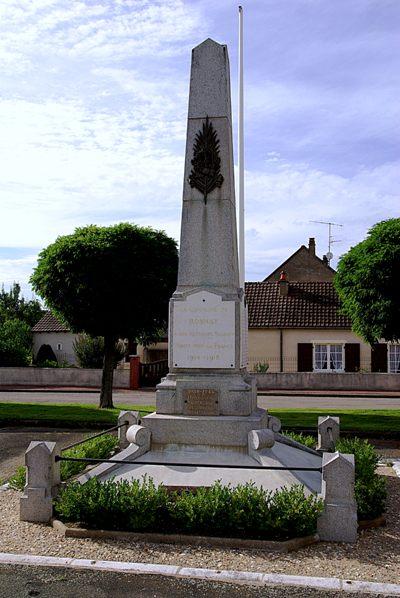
{"type": "Point", "coordinates": [208, 248]}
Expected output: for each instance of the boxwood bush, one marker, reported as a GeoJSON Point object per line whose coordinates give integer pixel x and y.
{"type": "Point", "coordinates": [370, 488]}
{"type": "Point", "coordinates": [98, 448]}
{"type": "Point", "coordinates": [141, 506]}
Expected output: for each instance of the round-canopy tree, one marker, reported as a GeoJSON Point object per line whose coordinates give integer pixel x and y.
{"type": "Point", "coordinates": [111, 281]}
{"type": "Point", "coordinates": [368, 283]}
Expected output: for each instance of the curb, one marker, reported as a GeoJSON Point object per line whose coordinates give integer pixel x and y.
{"type": "Point", "coordinates": [243, 577]}
{"type": "Point", "coordinates": [188, 540]}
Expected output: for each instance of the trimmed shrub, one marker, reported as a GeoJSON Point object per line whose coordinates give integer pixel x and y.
{"type": "Point", "coordinates": [45, 355]}
{"type": "Point", "coordinates": [370, 488]}
{"type": "Point", "coordinates": [305, 439]}
{"type": "Point", "coordinates": [243, 511]}
{"type": "Point", "coordinates": [98, 448]}
{"type": "Point", "coordinates": [89, 351]}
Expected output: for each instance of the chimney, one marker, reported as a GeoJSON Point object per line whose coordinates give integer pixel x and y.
{"type": "Point", "coordinates": [325, 260]}
{"type": "Point", "coordinates": [283, 284]}
{"type": "Point", "coordinates": [311, 245]}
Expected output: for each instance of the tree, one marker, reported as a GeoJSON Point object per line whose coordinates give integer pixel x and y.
{"type": "Point", "coordinates": [15, 343]}
{"type": "Point", "coordinates": [111, 281]}
{"type": "Point", "coordinates": [15, 307]}
{"type": "Point", "coordinates": [368, 283]}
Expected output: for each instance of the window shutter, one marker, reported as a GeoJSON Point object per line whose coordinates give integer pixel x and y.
{"type": "Point", "coordinates": [304, 357]}
{"type": "Point", "coordinates": [352, 357]}
{"type": "Point", "coordinates": [379, 357]}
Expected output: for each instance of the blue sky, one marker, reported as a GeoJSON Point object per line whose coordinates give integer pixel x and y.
{"type": "Point", "coordinates": [93, 102]}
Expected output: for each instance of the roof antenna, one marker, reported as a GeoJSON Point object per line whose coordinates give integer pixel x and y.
{"type": "Point", "coordinates": [331, 240]}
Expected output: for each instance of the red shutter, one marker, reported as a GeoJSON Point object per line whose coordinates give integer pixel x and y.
{"type": "Point", "coordinates": [352, 357]}
{"type": "Point", "coordinates": [379, 358]}
{"type": "Point", "coordinates": [304, 357]}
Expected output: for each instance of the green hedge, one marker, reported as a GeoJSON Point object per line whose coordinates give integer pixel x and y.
{"type": "Point", "coordinates": [243, 511]}
{"type": "Point", "coordinates": [370, 488]}
{"type": "Point", "coordinates": [98, 448]}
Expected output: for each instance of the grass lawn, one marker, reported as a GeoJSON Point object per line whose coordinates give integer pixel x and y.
{"type": "Point", "coordinates": [380, 421]}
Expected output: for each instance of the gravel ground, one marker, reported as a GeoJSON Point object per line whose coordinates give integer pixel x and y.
{"type": "Point", "coordinates": [375, 557]}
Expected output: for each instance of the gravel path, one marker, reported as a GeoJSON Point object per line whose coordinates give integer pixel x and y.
{"type": "Point", "coordinates": [375, 557]}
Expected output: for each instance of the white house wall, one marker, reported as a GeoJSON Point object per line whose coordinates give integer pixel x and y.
{"type": "Point", "coordinates": [66, 339]}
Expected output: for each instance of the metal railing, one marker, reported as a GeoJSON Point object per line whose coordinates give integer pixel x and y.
{"type": "Point", "coordinates": [90, 438]}
{"type": "Point", "coordinates": [178, 464]}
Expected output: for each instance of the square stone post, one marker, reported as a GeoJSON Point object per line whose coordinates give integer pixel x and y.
{"type": "Point", "coordinates": [338, 522]}
{"type": "Point", "coordinates": [126, 419]}
{"type": "Point", "coordinates": [42, 481]}
{"type": "Point", "coordinates": [328, 432]}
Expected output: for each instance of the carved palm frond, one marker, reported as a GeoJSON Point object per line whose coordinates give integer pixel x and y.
{"type": "Point", "coordinates": [205, 175]}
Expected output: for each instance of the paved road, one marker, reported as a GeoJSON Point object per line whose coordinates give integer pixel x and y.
{"type": "Point", "coordinates": [143, 397]}
{"type": "Point", "coordinates": [22, 582]}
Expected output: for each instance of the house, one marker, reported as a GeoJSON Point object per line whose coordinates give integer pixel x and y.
{"type": "Point", "coordinates": [50, 331]}
{"type": "Point", "coordinates": [304, 265]}
{"type": "Point", "coordinates": [295, 323]}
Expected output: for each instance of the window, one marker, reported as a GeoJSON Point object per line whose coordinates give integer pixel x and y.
{"type": "Point", "coordinates": [328, 357]}
{"type": "Point", "coordinates": [394, 359]}
{"type": "Point", "coordinates": [59, 346]}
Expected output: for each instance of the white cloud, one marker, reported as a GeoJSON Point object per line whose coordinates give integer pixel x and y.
{"type": "Point", "coordinates": [282, 202]}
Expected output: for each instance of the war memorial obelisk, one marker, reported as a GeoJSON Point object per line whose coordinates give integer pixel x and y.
{"type": "Point", "coordinates": [207, 360]}
{"type": "Point", "coordinates": [207, 425]}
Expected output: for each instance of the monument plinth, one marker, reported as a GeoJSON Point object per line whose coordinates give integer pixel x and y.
{"type": "Point", "coordinates": [206, 408]}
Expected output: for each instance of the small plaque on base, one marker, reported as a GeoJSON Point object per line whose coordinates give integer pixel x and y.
{"type": "Point", "coordinates": [200, 401]}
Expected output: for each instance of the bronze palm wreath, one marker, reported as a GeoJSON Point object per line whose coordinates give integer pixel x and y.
{"type": "Point", "coordinates": [206, 163]}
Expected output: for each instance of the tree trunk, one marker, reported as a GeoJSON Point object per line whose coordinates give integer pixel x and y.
{"type": "Point", "coordinates": [106, 401]}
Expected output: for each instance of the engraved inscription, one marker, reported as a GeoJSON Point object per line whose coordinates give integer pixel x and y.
{"type": "Point", "coordinates": [200, 401]}
{"type": "Point", "coordinates": [203, 332]}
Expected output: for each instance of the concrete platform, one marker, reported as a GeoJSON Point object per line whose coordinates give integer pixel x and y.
{"type": "Point", "coordinates": [227, 464]}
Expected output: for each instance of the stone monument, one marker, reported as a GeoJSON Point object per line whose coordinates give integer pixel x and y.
{"type": "Point", "coordinates": [207, 425]}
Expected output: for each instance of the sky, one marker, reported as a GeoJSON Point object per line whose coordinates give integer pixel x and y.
{"type": "Point", "coordinates": [93, 106]}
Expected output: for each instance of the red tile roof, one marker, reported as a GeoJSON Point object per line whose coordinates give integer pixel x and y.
{"type": "Point", "coordinates": [307, 305]}
{"type": "Point", "coordinates": [49, 323]}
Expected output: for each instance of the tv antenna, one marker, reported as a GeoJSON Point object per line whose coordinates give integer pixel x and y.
{"type": "Point", "coordinates": [331, 240]}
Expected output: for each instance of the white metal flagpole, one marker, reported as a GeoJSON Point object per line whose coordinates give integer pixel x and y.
{"type": "Point", "coordinates": [241, 155]}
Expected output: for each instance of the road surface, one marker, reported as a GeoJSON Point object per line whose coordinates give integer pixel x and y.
{"type": "Point", "coordinates": [46, 582]}
{"type": "Point", "coordinates": [144, 397]}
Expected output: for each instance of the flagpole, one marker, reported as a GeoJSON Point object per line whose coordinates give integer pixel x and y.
{"type": "Point", "coordinates": [241, 155]}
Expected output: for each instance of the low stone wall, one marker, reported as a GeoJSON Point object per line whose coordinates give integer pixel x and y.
{"type": "Point", "coordinates": [33, 376]}
{"type": "Point", "coordinates": [331, 381]}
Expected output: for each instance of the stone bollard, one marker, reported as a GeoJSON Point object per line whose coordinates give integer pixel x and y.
{"type": "Point", "coordinates": [140, 436]}
{"type": "Point", "coordinates": [338, 522]}
{"type": "Point", "coordinates": [42, 481]}
{"type": "Point", "coordinates": [328, 432]}
{"type": "Point", "coordinates": [127, 418]}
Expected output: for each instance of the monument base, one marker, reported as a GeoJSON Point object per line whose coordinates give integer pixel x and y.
{"type": "Point", "coordinates": [189, 466]}
{"type": "Point", "coordinates": [220, 430]}
{"type": "Point", "coordinates": [207, 394]}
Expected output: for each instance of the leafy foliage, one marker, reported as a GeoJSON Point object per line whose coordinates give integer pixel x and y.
{"type": "Point", "coordinates": [305, 439]}
{"type": "Point", "coordinates": [261, 367]}
{"type": "Point", "coordinates": [368, 283]}
{"type": "Point", "coordinates": [218, 511]}
{"type": "Point", "coordinates": [370, 488]}
{"type": "Point", "coordinates": [98, 448]}
{"type": "Point", "coordinates": [111, 281]}
{"type": "Point", "coordinates": [15, 343]}
{"type": "Point", "coordinates": [89, 351]}
{"type": "Point", "coordinates": [14, 307]}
